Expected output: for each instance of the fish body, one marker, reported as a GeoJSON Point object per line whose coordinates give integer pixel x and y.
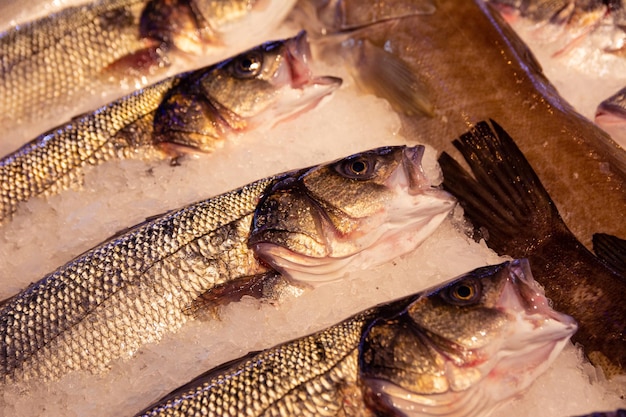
{"type": "Point", "coordinates": [62, 60]}
{"type": "Point", "coordinates": [510, 209]}
{"type": "Point", "coordinates": [459, 349]}
{"type": "Point", "coordinates": [496, 76]}
{"type": "Point", "coordinates": [190, 112]}
{"type": "Point", "coordinates": [148, 281]}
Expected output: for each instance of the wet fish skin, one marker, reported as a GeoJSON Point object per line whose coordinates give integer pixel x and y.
{"type": "Point", "coordinates": [509, 208]}
{"type": "Point", "coordinates": [190, 112]}
{"type": "Point", "coordinates": [398, 348]}
{"type": "Point", "coordinates": [141, 284]}
{"type": "Point", "coordinates": [52, 62]}
{"type": "Point", "coordinates": [497, 77]}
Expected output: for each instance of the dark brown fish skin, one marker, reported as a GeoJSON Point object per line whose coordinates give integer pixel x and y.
{"type": "Point", "coordinates": [511, 210]}
{"type": "Point", "coordinates": [477, 68]}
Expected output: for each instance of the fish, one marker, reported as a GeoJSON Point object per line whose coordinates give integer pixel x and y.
{"type": "Point", "coordinates": [192, 112]}
{"type": "Point", "coordinates": [510, 209]}
{"type": "Point", "coordinates": [64, 60]}
{"type": "Point", "coordinates": [496, 76]}
{"type": "Point", "coordinates": [461, 348]}
{"type": "Point", "coordinates": [271, 238]}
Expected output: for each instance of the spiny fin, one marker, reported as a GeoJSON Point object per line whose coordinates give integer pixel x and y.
{"type": "Point", "coordinates": [506, 202]}
{"type": "Point", "coordinates": [260, 286]}
{"type": "Point", "coordinates": [612, 251]}
{"type": "Point", "coordinates": [390, 77]}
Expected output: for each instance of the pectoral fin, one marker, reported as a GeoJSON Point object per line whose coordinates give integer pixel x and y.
{"type": "Point", "coordinates": [149, 60]}
{"type": "Point", "coordinates": [268, 286]}
{"type": "Point", "coordinates": [388, 76]}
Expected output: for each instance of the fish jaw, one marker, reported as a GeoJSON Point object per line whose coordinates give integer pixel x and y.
{"type": "Point", "coordinates": [407, 214]}
{"type": "Point", "coordinates": [472, 382]}
{"type": "Point", "coordinates": [297, 88]}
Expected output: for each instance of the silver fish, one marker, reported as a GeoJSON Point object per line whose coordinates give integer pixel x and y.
{"type": "Point", "coordinates": [311, 224]}
{"type": "Point", "coordinates": [191, 112]}
{"type": "Point", "coordinates": [459, 349]}
{"type": "Point", "coordinates": [68, 58]}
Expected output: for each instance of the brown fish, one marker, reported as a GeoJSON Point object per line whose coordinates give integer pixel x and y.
{"type": "Point", "coordinates": [514, 214]}
{"type": "Point", "coordinates": [473, 67]}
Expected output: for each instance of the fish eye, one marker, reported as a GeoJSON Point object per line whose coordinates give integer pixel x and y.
{"type": "Point", "coordinates": [248, 65]}
{"type": "Point", "coordinates": [359, 167]}
{"type": "Point", "coordinates": [464, 292]}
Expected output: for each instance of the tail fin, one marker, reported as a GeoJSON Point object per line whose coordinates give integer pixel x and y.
{"type": "Point", "coordinates": [505, 200]}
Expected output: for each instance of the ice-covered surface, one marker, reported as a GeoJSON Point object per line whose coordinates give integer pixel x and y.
{"type": "Point", "coordinates": [47, 233]}
{"type": "Point", "coordinates": [580, 67]}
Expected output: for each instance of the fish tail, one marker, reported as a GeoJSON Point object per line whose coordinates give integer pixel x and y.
{"type": "Point", "coordinates": [612, 251]}
{"type": "Point", "coordinates": [505, 200]}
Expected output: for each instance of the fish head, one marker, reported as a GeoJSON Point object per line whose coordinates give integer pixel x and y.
{"type": "Point", "coordinates": [465, 347]}
{"type": "Point", "coordinates": [269, 83]}
{"type": "Point", "coordinates": [359, 211]}
{"type": "Point", "coordinates": [255, 89]}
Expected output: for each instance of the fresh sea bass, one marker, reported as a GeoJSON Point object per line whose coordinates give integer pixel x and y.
{"type": "Point", "coordinates": [311, 225]}
{"type": "Point", "coordinates": [191, 112]}
{"type": "Point", "coordinates": [495, 76]}
{"type": "Point", "coordinates": [459, 349]}
{"type": "Point", "coordinates": [511, 210]}
{"type": "Point", "coordinates": [65, 59]}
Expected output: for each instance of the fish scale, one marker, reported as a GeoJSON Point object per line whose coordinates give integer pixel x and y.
{"type": "Point", "coordinates": [50, 163]}
{"type": "Point", "coordinates": [307, 377]}
{"type": "Point", "coordinates": [77, 43]}
{"type": "Point", "coordinates": [398, 358]}
{"type": "Point", "coordinates": [157, 251]}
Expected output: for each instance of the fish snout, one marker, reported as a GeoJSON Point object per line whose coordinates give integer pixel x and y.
{"type": "Point", "coordinates": [299, 57]}
{"type": "Point", "coordinates": [531, 299]}
{"type": "Point", "coordinates": [412, 164]}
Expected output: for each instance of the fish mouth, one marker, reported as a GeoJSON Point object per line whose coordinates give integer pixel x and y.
{"type": "Point", "coordinates": [298, 57]}
{"type": "Point", "coordinates": [523, 296]}
{"type": "Point", "coordinates": [298, 90]}
{"type": "Point", "coordinates": [412, 213]}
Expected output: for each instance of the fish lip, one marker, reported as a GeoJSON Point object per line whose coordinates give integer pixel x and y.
{"type": "Point", "coordinates": [412, 164]}
{"type": "Point", "coordinates": [531, 301]}
{"type": "Point", "coordinates": [298, 56]}
{"type": "Point", "coordinates": [412, 175]}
